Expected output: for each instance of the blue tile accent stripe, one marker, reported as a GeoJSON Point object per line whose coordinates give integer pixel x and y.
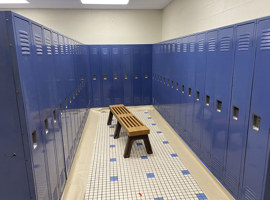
{"type": "Point", "coordinates": [144, 157]}
{"type": "Point", "coordinates": [185, 172]}
{"type": "Point", "coordinates": [111, 135]}
{"type": "Point", "coordinates": [114, 178]}
{"type": "Point", "coordinates": [165, 142]}
{"type": "Point", "coordinates": [159, 132]}
{"type": "Point", "coordinates": [113, 160]}
{"type": "Point", "coordinates": [112, 146]}
{"type": "Point", "coordinates": [139, 144]}
{"type": "Point", "coordinates": [159, 198]}
{"type": "Point", "coordinates": [201, 196]}
{"type": "Point", "coordinates": [174, 155]}
{"type": "Point", "coordinates": [150, 175]}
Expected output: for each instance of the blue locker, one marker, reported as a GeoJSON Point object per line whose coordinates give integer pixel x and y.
{"type": "Point", "coordinates": [45, 74]}
{"type": "Point", "coordinates": [95, 68]}
{"type": "Point", "coordinates": [137, 74]}
{"type": "Point", "coordinates": [127, 75]}
{"type": "Point", "coordinates": [239, 106]}
{"type": "Point", "coordinates": [117, 91]}
{"type": "Point", "coordinates": [17, 125]}
{"type": "Point", "coordinates": [106, 73]}
{"type": "Point", "coordinates": [206, 143]}
{"type": "Point", "coordinates": [222, 97]}
{"type": "Point", "coordinates": [56, 115]}
{"type": "Point", "coordinates": [199, 95]}
{"type": "Point", "coordinates": [190, 85]}
{"type": "Point", "coordinates": [147, 75]}
{"type": "Point", "coordinates": [257, 150]}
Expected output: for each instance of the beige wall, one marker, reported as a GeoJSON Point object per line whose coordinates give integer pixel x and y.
{"type": "Point", "coordinates": [183, 17]}
{"type": "Point", "coordinates": [101, 26]}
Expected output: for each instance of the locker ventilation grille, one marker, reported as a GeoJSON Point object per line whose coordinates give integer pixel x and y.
{"type": "Point", "coordinates": [66, 47]}
{"type": "Point", "coordinates": [24, 41]}
{"type": "Point", "coordinates": [38, 43]}
{"type": "Point", "coordinates": [115, 51]}
{"type": "Point", "coordinates": [165, 48]}
{"type": "Point", "coordinates": [169, 48]}
{"type": "Point", "coordinates": [201, 46]}
{"type": "Point", "coordinates": [94, 51]}
{"type": "Point", "coordinates": [244, 41]}
{"type": "Point", "coordinates": [48, 44]}
{"type": "Point", "coordinates": [126, 51]}
{"type": "Point", "coordinates": [192, 47]}
{"type": "Point", "coordinates": [231, 179]}
{"type": "Point", "coordinates": [185, 47]}
{"type": "Point", "coordinates": [173, 48]}
{"type": "Point", "coordinates": [225, 44]}
{"type": "Point", "coordinates": [265, 40]}
{"type": "Point", "coordinates": [212, 44]}
{"type": "Point", "coordinates": [178, 47]}
{"type": "Point", "coordinates": [61, 47]}
{"type": "Point", "coordinates": [248, 194]}
{"type": "Point", "coordinates": [104, 51]}
{"type": "Point", "coordinates": [55, 43]}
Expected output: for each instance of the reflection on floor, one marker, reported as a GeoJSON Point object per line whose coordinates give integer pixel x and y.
{"type": "Point", "coordinates": [158, 176]}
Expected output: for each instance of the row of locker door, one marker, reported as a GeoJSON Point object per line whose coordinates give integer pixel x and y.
{"type": "Point", "coordinates": [212, 87]}
{"type": "Point", "coordinates": [46, 87]}
{"type": "Point", "coordinates": [121, 74]}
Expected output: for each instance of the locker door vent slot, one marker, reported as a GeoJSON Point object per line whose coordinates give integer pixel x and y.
{"type": "Point", "coordinates": [34, 139]}
{"type": "Point", "coordinates": [183, 89]}
{"type": "Point", "coordinates": [136, 76]}
{"type": "Point", "coordinates": [235, 113]}
{"type": "Point", "coordinates": [126, 76]}
{"type": "Point", "coordinates": [177, 86]}
{"type": "Point", "coordinates": [115, 77]}
{"type": "Point", "coordinates": [198, 96]}
{"type": "Point", "coordinates": [172, 84]}
{"type": "Point", "coordinates": [207, 100]}
{"type": "Point", "coordinates": [256, 122]}
{"type": "Point", "coordinates": [24, 42]}
{"type": "Point", "coordinates": [189, 92]}
{"type": "Point", "coordinates": [54, 116]}
{"type": "Point", "coordinates": [219, 105]}
{"type": "Point", "coordinates": [46, 126]}
{"type": "Point", "coordinates": [61, 108]}
{"type": "Point", "coordinates": [145, 75]}
{"type": "Point", "coordinates": [94, 77]}
{"type": "Point", "coordinates": [105, 77]}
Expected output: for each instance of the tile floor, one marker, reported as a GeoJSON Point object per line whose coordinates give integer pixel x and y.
{"type": "Point", "coordinates": [158, 176]}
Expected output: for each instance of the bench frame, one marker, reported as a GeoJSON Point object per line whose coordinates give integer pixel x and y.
{"type": "Point", "coordinates": [141, 135]}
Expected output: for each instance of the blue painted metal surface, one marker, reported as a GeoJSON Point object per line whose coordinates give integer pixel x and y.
{"type": "Point", "coordinates": [137, 74]}
{"type": "Point", "coordinates": [126, 62]}
{"type": "Point", "coordinates": [257, 150]}
{"type": "Point", "coordinates": [241, 93]}
{"type": "Point", "coordinates": [147, 75]}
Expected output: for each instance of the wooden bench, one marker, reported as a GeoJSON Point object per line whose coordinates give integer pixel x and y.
{"type": "Point", "coordinates": [134, 127]}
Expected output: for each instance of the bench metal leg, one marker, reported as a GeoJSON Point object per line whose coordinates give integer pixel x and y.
{"type": "Point", "coordinates": [128, 146]}
{"type": "Point", "coordinates": [117, 130]}
{"type": "Point", "coordinates": [147, 145]}
{"type": "Point", "coordinates": [110, 118]}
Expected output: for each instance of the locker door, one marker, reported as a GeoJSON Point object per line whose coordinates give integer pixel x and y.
{"type": "Point", "coordinates": [190, 89]}
{"type": "Point", "coordinates": [106, 76]}
{"type": "Point", "coordinates": [257, 150]}
{"type": "Point", "coordinates": [199, 95]}
{"type": "Point", "coordinates": [28, 81]}
{"type": "Point", "coordinates": [137, 74]}
{"type": "Point", "coordinates": [179, 80]}
{"type": "Point", "coordinates": [95, 68]}
{"type": "Point", "coordinates": [127, 75]}
{"type": "Point", "coordinates": [46, 71]}
{"type": "Point", "coordinates": [222, 97]}
{"type": "Point", "coordinates": [56, 114]}
{"type": "Point", "coordinates": [210, 82]}
{"type": "Point", "coordinates": [147, 75]}
{"type": "Point", "coordinates": [117, 74]}
{"type": "Point", "coordinates": [239, 107]}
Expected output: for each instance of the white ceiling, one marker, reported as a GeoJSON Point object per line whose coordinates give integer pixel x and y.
{"type": "Point", "coordinates": [76, 4]}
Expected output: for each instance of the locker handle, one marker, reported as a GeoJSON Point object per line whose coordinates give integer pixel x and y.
{"type": "Point", "coordinates": [54, 116]}
{"type": "Point", "coordinates": [168, 82]}
{"type": "Point", "coordinates": [94, 77]}
{"type": "Point", "coordinates": [172, 84]}
{"type": "Point", "coordinates": [115, 77]}
{"type": "Point", "coordinates": [46, 126]}
{"type": "Point", "coordinates": [105, 77]}
{"type": "Point", "coordinates": [177, 86]}
{"type": "Point", "coordinates": [198, 96]}
{"type": "Point", "coordinates": [34, 139]}
{"type": "Point", "coordinates": [61, 109]}
{"type": "Point", "coordinates": [189, 92]}
{"type": "Point", "coordinates": [145, 75]}
{"type": "Point", "coordinates": [256, 122]}
{"type": "Point", "coordinates": [219, 105]}
{"type": "Point", "coordinates": [66, 102]}
{"type": "Point", "coordinates": [183, 89]}
{"type": "Point", "coordinates": [136, 76]}
{"type": "Point", "coordinates": [207, 100]}
{"type": "Point", "coordinates": [235, 113]}
{"type": "Point", "coordinates": [126, 76]}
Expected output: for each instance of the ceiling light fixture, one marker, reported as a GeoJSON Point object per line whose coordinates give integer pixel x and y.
{"type": "Point", "coordinates": [13, 1]}
{"type": "Point", "coordinates": [109, 2]}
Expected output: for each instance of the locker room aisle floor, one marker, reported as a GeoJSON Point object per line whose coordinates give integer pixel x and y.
{"type": "Point", "coordinates": [173, 171]}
